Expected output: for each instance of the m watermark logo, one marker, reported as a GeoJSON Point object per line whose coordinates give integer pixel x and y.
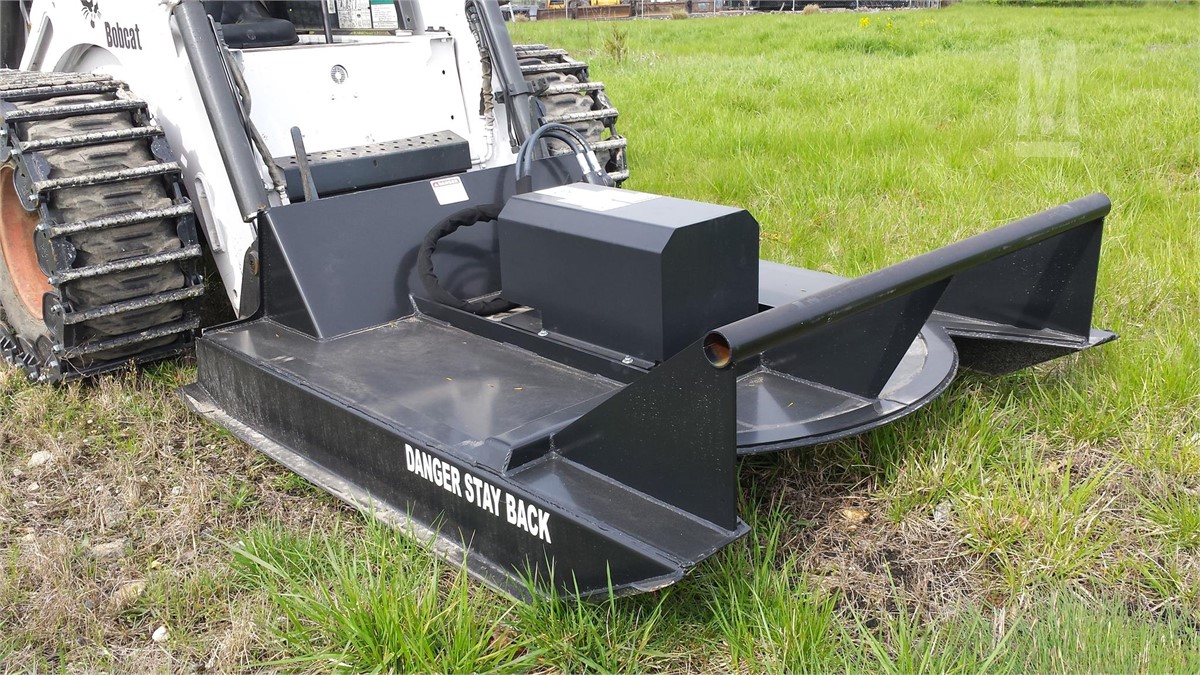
{"type": "Point", "coordinates": [1048, 109]}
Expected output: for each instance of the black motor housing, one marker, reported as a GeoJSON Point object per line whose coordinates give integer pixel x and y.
{"type": "Point", "coordinates": [639, 274]}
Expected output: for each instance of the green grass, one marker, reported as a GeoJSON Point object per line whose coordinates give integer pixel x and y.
{"type": "Point", "coordinates": [374, 602]}
{"type": "Point", "coordinates": [1054, 635]}
{"type": "Point", "coordinates": [1068, 495]}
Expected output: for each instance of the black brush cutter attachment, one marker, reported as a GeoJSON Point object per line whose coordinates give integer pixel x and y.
{"type": "Point", "coordinates": [587, 439]}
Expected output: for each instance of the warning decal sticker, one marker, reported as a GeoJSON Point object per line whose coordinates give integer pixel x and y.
{"type": "Point", "coordinates": [515, 511]}
{"type": "Point", "coordinates": [449, 190]}
{"type": "Point", "coordinates": [595, 198]}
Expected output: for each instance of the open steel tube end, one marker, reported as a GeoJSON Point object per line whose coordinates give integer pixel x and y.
{"type": "Point", "coordinates": [717, 350]}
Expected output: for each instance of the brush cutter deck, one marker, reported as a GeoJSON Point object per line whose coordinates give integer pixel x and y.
{"type": "Point", "coordinates": [587, 440]}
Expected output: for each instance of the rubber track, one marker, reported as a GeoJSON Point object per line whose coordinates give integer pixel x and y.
{"type": "Point", "coordinates": [568, 96]}
{"type": "Point", "coordinates": [119, 238]}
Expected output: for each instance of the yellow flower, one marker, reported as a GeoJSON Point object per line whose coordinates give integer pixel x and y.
{"type": "Point", "coordinates": [864, 22]}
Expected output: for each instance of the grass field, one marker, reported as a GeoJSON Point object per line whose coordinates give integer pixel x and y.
{"type": "Point", "coordinates": [1046, 521]}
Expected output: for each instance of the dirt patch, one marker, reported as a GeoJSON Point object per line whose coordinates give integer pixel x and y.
{"type": "Point", "coordinates": [116, 509]}
{"type": "Point", "coordinates": [878, 565]}
{"type": "Point", "coordinates": [850, 546]}
{"type": "Point", "coordinates": [926, 562]}
{"type": "Point", "coordinates": [1150, 561]}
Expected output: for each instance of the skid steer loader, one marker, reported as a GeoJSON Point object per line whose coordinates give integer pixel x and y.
{"type": "Point", "coordinates": [447, 312]}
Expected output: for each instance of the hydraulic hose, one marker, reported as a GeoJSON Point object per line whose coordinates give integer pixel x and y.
{"type": "Point", "coordinates": [592, 171]}
{"type": "Point", "coordinates": [429, 279]}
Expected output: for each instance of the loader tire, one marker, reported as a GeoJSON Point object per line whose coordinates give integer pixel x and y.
{"type": "Point", "coordinates": [98, 245]}
{"type": "Point", "coordinates": [566, 95]}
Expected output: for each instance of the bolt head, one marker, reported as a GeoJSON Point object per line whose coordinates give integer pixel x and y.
{"type": "Point", "coordinates": [627, 360]}
{"type": "Point", "coordinates": [543, 333]}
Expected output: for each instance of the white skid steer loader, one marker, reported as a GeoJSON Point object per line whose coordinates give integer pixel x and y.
{"type": "Point", "coordinates": [446, 310]}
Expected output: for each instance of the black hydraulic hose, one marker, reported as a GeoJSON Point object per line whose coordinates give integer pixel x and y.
{"type": "Point", "coordinates": [433, 286]}
{"type": "Point", "coordinates": [278, 180]}
{"type": "Point", "coordinates": [524, 161]}
{"type": "Point", "coordinates": [561, 132]}
{"type": "Point", "coordinates": [592, 171]}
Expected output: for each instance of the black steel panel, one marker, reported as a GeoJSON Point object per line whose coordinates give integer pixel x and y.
{"type": "Point", "coordinates": [348, 262]}
{"type": "Point", "coordinates": [462, 388]}
{"type": "Point", "coordinates": [651, 521]}
{"type": "Point", "coordinates": [670, 435]}
{"type": "Point", "coordinates": [996, 349]}
{"type": "Point", "coordinates": [348, 414]}
{"type": "Point", "coordinates": [371, 456]}
{"type": "Point", "coordinates": [1050, 285]}
{"type": "Point", "coordinates": [858, 354]}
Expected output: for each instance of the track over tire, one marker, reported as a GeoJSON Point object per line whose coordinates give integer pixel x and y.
{"type": "Point", "coordinates": [98, 246]}
{"type": "Point", "coordinates": [566, 95]}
